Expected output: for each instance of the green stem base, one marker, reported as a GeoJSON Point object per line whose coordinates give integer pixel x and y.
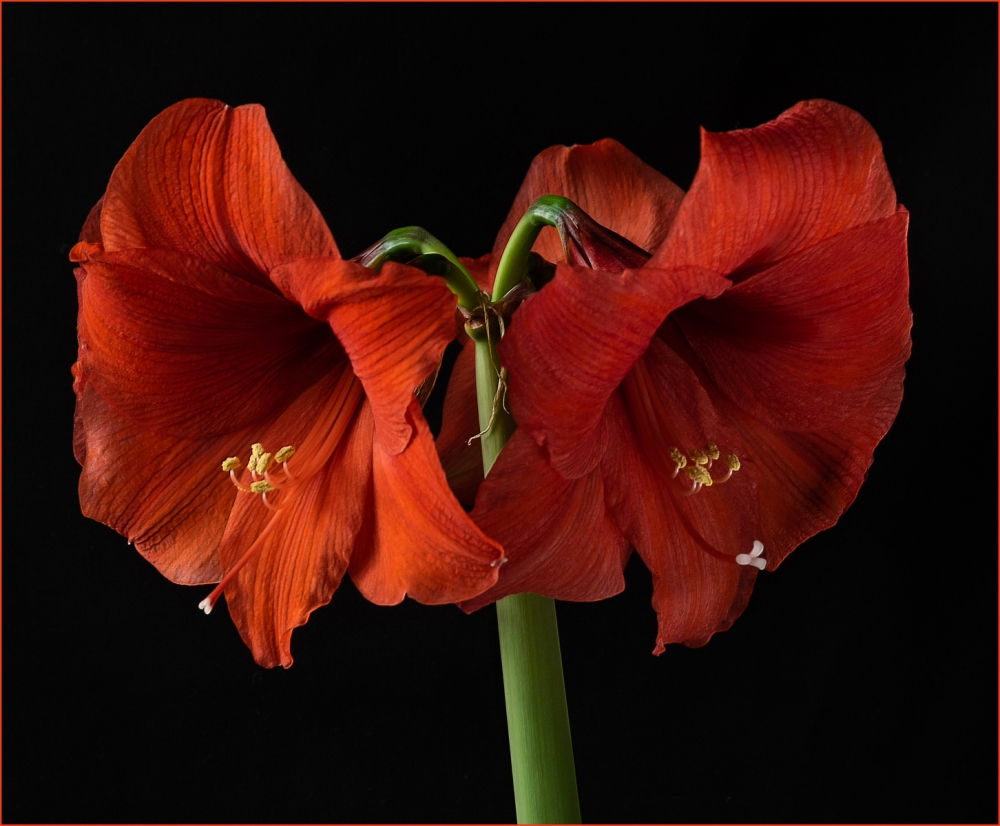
{"type": "Point", "coordinates": [541, 751]}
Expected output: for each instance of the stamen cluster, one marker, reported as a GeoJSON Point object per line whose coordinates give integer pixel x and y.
{"type": "Point", "coordinates": [259, 465]}
{"type": "Point", "coordinates": [701, 462]}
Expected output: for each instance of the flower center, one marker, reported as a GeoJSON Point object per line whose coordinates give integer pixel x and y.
{"type": "Point", "coordinates": [701, 463]}
{"type": "Point", "coordinates": [272, 479]}
{"type": "Point", "coordinates": [690, 471]}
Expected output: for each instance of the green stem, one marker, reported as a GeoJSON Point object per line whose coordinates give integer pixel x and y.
{"type": "Point", "coordinates": [541, 749]}
{"type": "Point", "coordinates": [544, 212]}
{"type": "Point", "coordinates": [409, 242]}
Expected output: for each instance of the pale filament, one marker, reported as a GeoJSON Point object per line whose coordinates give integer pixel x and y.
{"type": "Point", "coordinates": [239, 486]}
{"type": "Point", "coordinates": [208, 603]}
{"type": "Point", "coordinates": [695, 487]}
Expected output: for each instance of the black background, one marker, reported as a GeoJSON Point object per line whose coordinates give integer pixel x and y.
{"type": "Point", "coordinates": [860, 685]}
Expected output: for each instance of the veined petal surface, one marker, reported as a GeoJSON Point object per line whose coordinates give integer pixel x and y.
{"type": "Point", "coordinates": [769, 328]}
{"type": "Point", "coordinates": [207, 180]}
{"type": "Point", "coordinates": [216, 313]}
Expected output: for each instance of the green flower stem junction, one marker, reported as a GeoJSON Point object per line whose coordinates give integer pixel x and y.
{"type": "Point", "coordinates": [416, 246]}
{"type": "Point", "coordinates": [541, 750]}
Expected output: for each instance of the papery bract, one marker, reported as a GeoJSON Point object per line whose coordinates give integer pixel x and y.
{"type": "Point", "coordinates": [727, 392]}
{"type": "Point", "coordinates": [216, 313]}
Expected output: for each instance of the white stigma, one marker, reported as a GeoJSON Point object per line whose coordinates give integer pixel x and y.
{"type": "Point", "coordinates": [206, 605]}
{"type": "Point", "coordinates": [496, 562]}
{"type": "Point", "coordinates": [753, 558]}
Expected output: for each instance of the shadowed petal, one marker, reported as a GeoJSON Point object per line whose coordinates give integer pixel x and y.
{"type": "Point", "coordinates": [695, 594]}
{"type": "Point", "coordinates": [167, 495]}
{"type": "Point", "coordinates": [181, 347]}
{"type": "Point", "coordinates": [462, 462]}
{"type": "Point", "coordinates": [91, 232]}
{"type": "Point", "coordinates": [764, 193]}
{"type": "Point", "coordinates": [818, 337]}
{"type": "Point", "coordinates": [609, 183]}
{"type": "Point", "coordinates": [571, 344]}
{"type": "Point", "coordinates": [423, 544]}
{"type": "Point", "coordinates": [557, 533]}
{"type": "Point", "coordinates": [394, 325]}
{"type": "Point", "coordinates": [207, 180]}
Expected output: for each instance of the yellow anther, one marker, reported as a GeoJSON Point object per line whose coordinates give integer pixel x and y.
{"type": "Point", "coordinates": [256, 449]}
{"type": "Point", "coordinates": [232, 463]}
{"type": "Point", "coordinates": [264, 462]}
{"type": "Point", "coordinates": [698, 457]}
{"type": "Point", "coordinates": [679, 459]}
{"type": "Point", "coordinates": [712, 450]}
{"type": "Point", "coordinates": [284, 454]}
{"type": "Point", "coordinates": [698, 474]}
{"type": "Point", "coordinates": [732, 462]}
{"type": "Point", "coordinates": [261, 487]}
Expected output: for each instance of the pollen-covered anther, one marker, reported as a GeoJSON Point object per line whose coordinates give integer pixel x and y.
{"type": "Point", "coordinates": [679, 459]}
{"type": "Point", "coordinates": [698, 475]}
{"type": "Point", "coordinates": [754, 557]}
{"type": "Point", "coordinates": [732, 465]}
{"type": "Point", "coordinates": [699, 457]}
{"type": "Point", "coordinates": [712, 450]}
{"type": "Point", "coordinates": [256, 451]}
{"type": "Point", "coordinates": [261, 466]}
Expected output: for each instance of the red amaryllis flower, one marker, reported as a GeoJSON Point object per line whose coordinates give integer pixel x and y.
{"type": "Point", "coordinates": [221, 333]}
{"type": "Point", "coordinates": [715, 403]}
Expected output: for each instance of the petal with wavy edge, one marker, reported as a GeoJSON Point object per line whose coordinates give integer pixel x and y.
{"type": "Point", "coordinates": [609, 183]}
{"type": "Point", "coordinates": [304, 547]}
{"type": "Point", "coordinates": [208, 181]}
{"type": "Point", "coordinates": [167, 495]}
{"type": "Point", "coordinates": [423, 544]}
{"type": "Point", "coordinates": [557, 533]}
{"type": "Point", "coordinates": [761, 194]}
{"type": "Point", "coordinates": [394, 325]}
{"type": "Point", "coordinates": [571, 344]}
{"type": "Point", "coordinates": [91, 232]}
{"type": "Point", "coordinates": [181, 347]}
{"type": "Point", "coordinates": [817, 338]}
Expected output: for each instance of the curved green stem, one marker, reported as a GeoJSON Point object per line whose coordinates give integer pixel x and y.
{"type": "Point", "coordinates": [407, 243]}
{"type": "Point", "coordinates": [544, 212]}
{"type": "Point", "coordinates": [541, 749]}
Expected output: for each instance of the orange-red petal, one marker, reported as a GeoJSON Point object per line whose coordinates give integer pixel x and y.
{"type": "Point", "coordinates": [303, 547]}
{"type": "Point", "coordinates": [695, 594]}
{"type": "Point", "coordinates": [422, 544]}
{"type": "Point", "coordinates": [208, 181]}
{"type": "Point", "coordinates": [609, 183]}
{"type": "Point", "coordinates": [571, 344]}
{"type": "Point", "coordinates": [557, 533]}
{"type": "Point", "coordinates": [178, 346]}
{"type": "Point", "coordinates": [462, 462]}
{"type": "Point", "coordinates": [166, 494]}
{"type": "Point", "coordinates": [761, 194]}
{"type": "Point", "coordinates": [394, 325]}
{"type": "Point", "coordinates": [818, 337]}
